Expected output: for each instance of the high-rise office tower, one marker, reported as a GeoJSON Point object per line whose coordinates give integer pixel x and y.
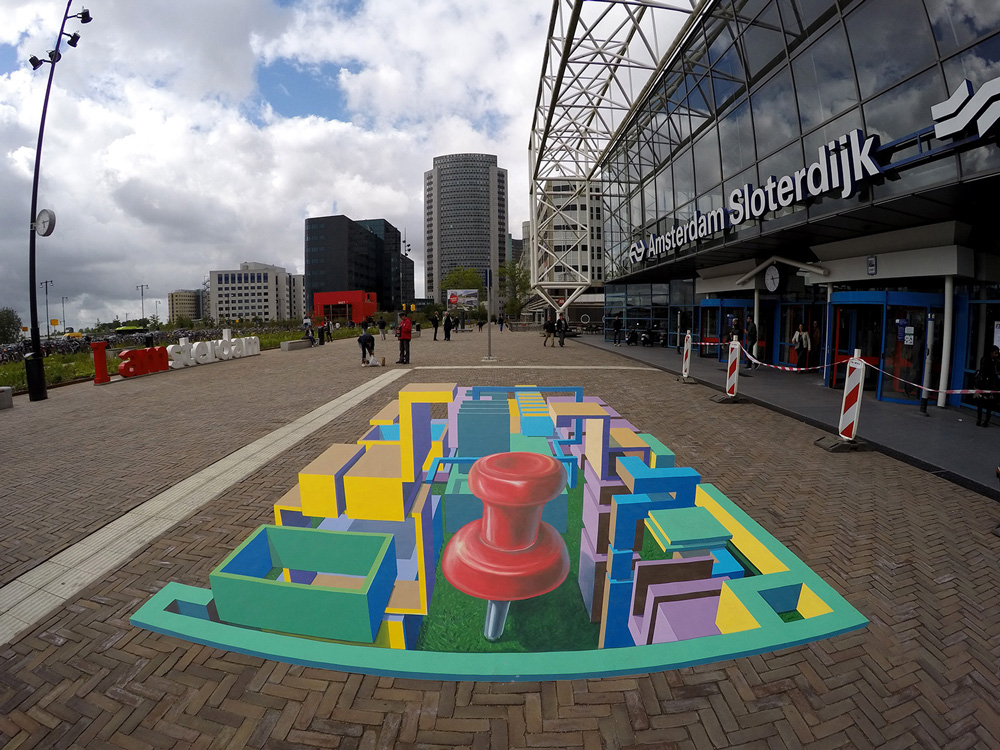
{"type": "Point", "coordinates": [465, 218]}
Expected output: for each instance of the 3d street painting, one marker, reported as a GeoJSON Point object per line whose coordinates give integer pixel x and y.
{"type": "Point", "coordinates": [532, 534]}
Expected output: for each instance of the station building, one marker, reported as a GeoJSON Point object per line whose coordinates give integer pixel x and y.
{"type": "Point", "coordinates": [818, 162]}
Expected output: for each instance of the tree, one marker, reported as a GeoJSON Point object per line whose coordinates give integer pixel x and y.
{"type": "Point", "coordinates": [464, 278]}
{"type": "Point", "coordinates": [516, 281]}
{"type": "Point", "coordinates": [10, 325]}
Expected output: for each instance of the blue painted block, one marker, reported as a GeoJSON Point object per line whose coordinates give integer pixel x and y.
{"type": "Point", "coordinates": [614, 623]}
{"type": "Point", "coordinates": [620, 562]}
{"type": "Point", "coordinates": [725, 565]}
{"type": "Point", "coordinates": [642, 479]}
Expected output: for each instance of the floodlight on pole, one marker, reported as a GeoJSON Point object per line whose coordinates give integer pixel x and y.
{"type": "Point", "coordinates": [142, 304]}
{"type": "Point", "coordinates": [43, 223]}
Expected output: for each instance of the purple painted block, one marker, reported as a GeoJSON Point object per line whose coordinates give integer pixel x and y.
{"type": "Point", "coordinates": [572, 400]}
{"type": "Point", "coordinates": [658, 594]}
{"type": "Point", "coordinates": [686, 619]}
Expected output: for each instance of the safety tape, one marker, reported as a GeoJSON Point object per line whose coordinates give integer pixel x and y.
{"type": "Point", "coordinates": [963, 391]}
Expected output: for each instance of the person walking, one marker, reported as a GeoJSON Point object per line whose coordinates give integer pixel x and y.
{"type": "Point", "coordinates": [550, 332]}
{"type": "Point", "coordinates": [481, 323]}
{"type": "Point", "coordinates": [448, 325]}
{"type": "Point", "coordinates": [436, 322]}
{"type": "Point", "coordinates": [367, 343]}
{"type": "Point", "coordinates": [381, 326]}
{"type": "Point", "coordinates": [405, 332]}
{"type": "Point", "coordinates": [561, 327]}
{"type": "Point", "coordinates": [987, 380]}
{"type": "Point", "coordinates": [751, 342]}
{"type": "Point", "coordinates": [500, 321]}
{"type": "Point", "coordinates": [802, 345]}
{"type": "Point", "coordinates": [616, 326]}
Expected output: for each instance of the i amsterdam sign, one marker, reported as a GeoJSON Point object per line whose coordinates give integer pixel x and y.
{"type": "Point", "coordinates": [841, 166]}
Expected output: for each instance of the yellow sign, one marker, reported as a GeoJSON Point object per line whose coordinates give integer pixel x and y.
{"type": "Point", "coordinates": [54, 321]}
{"type": "Point", "coordinates": [24, 328]}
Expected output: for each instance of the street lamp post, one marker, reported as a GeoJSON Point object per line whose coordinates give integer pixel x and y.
{"type": "Point", "coordinates": [64, 313]}
{"type": "Point", "coordinates": [48, 332]}
{"type": "Point", "coordinates": [142, 304]}
{"type": "Point", "coordinates": [34, 367]}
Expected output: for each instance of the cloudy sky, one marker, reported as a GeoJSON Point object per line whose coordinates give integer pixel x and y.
{"type": "Point", "coordinates": [185, 136]}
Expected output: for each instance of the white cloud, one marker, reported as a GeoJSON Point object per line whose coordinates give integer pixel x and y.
{"type": "Point", "coordinates": [162, 162]}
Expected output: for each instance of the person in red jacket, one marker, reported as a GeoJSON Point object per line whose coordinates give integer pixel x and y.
{"type": "Point", "coordinates": [405, 328]}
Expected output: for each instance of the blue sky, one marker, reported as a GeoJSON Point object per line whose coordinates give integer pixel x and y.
{"type": "Point", "coordinates": [186, 136]}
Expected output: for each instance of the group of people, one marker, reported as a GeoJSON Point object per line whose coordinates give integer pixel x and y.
{"type": "Point", "coordinates": [448, 323]}
{"type": "Point", "coordinates": [553, 328]}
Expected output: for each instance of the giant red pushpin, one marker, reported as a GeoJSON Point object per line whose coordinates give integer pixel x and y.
{"type": "Point", "coordinates": [509, 554]}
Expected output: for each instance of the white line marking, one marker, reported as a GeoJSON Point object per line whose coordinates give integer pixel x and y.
{"type": "Point", "coordinates": [27, 600]}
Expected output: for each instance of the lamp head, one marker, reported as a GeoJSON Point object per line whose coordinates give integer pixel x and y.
{"type": "Point", "coordinates": [84, 16]}
{"type": "Point", "coordinates": [35, 62]}
{"type": "Point", "coordinates": [54, 55]}
{"type": "Point", "coordinates": [74, 40]}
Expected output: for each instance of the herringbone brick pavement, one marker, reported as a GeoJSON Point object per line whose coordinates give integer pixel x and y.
{"type": "Point", "coordinates": [910, 551]}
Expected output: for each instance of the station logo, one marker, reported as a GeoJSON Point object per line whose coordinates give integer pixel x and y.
{"type": "Point", "coordinates": [841, 167]}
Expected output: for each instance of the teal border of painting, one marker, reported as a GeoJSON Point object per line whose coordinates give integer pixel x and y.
{"type": "Point", "coordinates": [507, 667]}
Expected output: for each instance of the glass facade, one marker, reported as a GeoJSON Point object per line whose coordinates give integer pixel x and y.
{"type": "Point", "coordinates": [759, 85]}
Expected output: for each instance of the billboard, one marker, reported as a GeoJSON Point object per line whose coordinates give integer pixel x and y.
{"type": "Point", "coordinates": [463, 299]}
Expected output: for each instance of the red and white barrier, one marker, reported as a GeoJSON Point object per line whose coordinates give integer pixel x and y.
{"type": "Point", "coordinates": [686, 364]}
{"type": "Point", "coordinates": [733, 372]}
{"type": "Point", "coordinates": [850, 409]}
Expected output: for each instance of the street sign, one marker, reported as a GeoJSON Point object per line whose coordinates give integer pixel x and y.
{"type": "Point", "coordinates": [54, 321]}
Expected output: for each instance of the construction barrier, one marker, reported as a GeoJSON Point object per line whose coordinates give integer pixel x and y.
{"type": "Point", "coordinates": [686, 364]}
{"type": "Point", "coordinates": [850, 409]}
{"type": "Point", "coordinates": [733, 373]}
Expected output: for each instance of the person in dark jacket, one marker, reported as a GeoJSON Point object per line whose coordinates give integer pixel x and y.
{"type": "Point", "coordinates": [367, 343]}
{"type": "Point", "coordinates": [751, 341]}
{"type": "Point", "coordinates": [550, 332]}
{"type": "Point", "coordinates": [448, 325]}
{"type": "Point", "coordinates": [561, 327]}
{"type": "Point", "coordinates": [435, 322]}
{"type": "Point", "coordinates": [987, 380]}
{"type": "Point", "coordinates": [616, 326]}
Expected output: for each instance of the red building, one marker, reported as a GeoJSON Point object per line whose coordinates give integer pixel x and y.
{"type": "Point", "coordinates": [344, 306]}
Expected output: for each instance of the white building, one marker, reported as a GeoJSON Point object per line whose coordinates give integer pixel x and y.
{"type": "Point", "coordinates": [256, 290]}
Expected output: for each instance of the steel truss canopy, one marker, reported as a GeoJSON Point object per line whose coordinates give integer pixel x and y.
{"type": "Point", "coordinates": [600, 58]}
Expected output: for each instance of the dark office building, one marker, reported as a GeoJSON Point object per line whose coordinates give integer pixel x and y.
{"type": "Point", "coordinates": [346, 255]}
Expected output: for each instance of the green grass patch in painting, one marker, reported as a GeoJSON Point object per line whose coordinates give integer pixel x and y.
{"type": "Point", "coordinates": [556, 621]}
{"type": "Point", "coordinates": [791, 616]}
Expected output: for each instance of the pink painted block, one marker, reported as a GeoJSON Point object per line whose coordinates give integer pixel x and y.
{"type": "Point", "coordinates": [644, 627]}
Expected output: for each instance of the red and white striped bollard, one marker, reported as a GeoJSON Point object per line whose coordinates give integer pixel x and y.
{"type": "Point", "coordinates": [850, 409]}
{"type": "Point", "coordinates": [686, 364]}
{"type": "Point", "coordinates": [733, 373]}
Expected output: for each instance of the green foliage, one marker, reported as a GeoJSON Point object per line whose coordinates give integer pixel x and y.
{"type": "Point", "coordinates": [516, 281]}
{"type": "Point", "coordinates": [10, 325]}
{"type": "Point", "coordinates": [464, 278]}
{"type": "Point", "coordinates": [556, 621]}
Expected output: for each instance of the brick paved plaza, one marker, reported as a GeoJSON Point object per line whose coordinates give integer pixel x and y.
{"type": "Point", "coordinates": [911, 552]}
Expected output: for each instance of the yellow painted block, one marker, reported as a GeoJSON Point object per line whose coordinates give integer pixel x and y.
{"type": "Point", "coordinates": [394, 628]}
{"type": "Point", "coordinates": [627, 439]}
{"type": "Point", "coordinates": [759, 556]}
{"type": "Point", "coordinates": [389, 414]}
{"type": "Point", "coordinates": [289, 501]}
{"type": "Point", "coordinates": [575, 409]}
{"type": "Point", "coordinates": [417, 393]}
{"type": "Point", "coordinates": [515, 416]}
{"type": "Point", "coordinates": [410, 597]}
{"type": "Point", "coordinates": [733, 616]}
{"type": "Point", "coordinates": [373, 488]}
{"type": "Point", "coordinates": [810, 605]}
{"type": "Point", "coordinates": [317, 481]}
{"type": "Point", "coordinates": [595, 443]}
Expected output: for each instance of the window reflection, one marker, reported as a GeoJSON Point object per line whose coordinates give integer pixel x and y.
{"type": "Point", "coordinates": [736, 138]}
{"type": "Point", "coordinates": [956, 23]}
{"type": "Point", "coordinates": [901, 111]}
{"type": "Point", "coordinates": [978, 65]}
{"type": "Point", "coordinates": [899, 26]}
{"type": "Point", "coordinates": [683, 177]}
{"type": "Point", "coordinates": [775, 118]}
{"type": "Point", "coordinates": [707, 170]}
{"type": "Point", "coordinates": [763, 43]}
{"type": "Point", "coordinates": [824, 79]}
